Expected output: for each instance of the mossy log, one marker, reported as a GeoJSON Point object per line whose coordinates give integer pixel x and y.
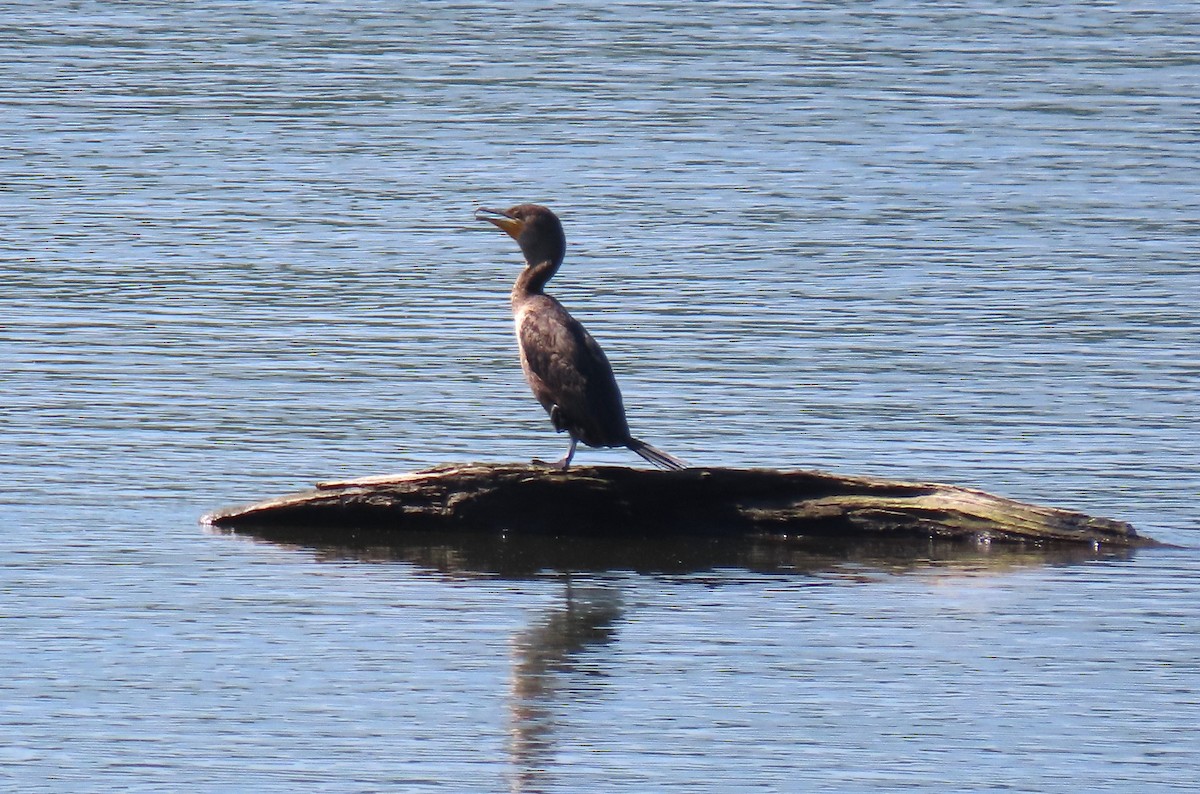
{"type": "Point", "coordinates": [607, 500]}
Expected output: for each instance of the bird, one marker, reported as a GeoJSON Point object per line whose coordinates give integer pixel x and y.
{"type": "Point", "coordinates": [565, 367]}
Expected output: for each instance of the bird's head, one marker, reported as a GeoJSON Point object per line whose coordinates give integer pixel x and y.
{"type": "Point", "coordinates": [535, 228]}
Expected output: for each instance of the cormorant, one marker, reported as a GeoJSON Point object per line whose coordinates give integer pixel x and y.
{"type": "Point", "coordinates": [567, 371]}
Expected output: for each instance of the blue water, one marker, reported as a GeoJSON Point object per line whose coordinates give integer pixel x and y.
{"type": "Point", "coordinates": [947, 243]}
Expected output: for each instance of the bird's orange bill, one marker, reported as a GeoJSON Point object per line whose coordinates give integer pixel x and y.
{"type": "Point", "coordinates": [501, 219]}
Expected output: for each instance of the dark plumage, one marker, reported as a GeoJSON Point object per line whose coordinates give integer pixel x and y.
{"type": "Point", "coordinates": [567, 371]}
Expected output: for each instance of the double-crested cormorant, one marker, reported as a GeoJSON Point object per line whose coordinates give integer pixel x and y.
{"type": "Point", "coordinates": [567, 370]}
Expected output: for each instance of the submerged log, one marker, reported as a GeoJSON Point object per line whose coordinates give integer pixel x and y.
{"type": "Point", "coordinates": [608, 500]}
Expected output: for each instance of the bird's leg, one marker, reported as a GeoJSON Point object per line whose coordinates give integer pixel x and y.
{"type": "Point", "coordinates": [566, 459]}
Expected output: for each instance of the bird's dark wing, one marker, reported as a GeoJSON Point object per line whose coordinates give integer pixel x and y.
{"type": "Point", "coordinates": [570, 375]}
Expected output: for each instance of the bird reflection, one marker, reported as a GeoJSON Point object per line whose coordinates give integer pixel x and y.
{"type": "Point", "coordinates": [549, 672]}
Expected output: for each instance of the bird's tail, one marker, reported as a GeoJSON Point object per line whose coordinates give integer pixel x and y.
{"type": "Point", "coordinates": [656, 455]}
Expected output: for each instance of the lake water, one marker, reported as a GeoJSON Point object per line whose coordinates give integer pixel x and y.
{"type": "Point", "coordinates": [924, 241]}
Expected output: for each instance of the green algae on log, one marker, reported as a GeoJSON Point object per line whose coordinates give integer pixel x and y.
{"type": "Point", "coordinates": [612, 500]}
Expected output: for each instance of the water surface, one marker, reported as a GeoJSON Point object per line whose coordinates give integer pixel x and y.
{"type": "Point", "coordinates": [953, 243]}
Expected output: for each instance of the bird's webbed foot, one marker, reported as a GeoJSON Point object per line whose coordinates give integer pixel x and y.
{"type": "Point", "coordinates": [563, 463]}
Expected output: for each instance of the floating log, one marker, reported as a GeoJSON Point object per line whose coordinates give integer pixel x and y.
{"type": "Point", "coordinates": [610, 501]}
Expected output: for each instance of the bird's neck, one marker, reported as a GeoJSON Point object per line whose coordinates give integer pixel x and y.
{"type": "Point", "coordinates": [533, 279]}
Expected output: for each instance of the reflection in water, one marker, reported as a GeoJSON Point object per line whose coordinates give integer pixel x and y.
{"type": "Point", "coordinates": [517, 556]}
{"type": "Point", "coordinates": [547, 674]}
{"type": "Point", "coordinates": [559, 666]}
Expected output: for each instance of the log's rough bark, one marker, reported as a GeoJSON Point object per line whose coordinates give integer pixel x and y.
{"type": "Point", "coordinates": [606, 500]}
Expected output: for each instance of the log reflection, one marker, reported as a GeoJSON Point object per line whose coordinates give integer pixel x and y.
{"type": "Point", "coordinates": [493, 554]}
